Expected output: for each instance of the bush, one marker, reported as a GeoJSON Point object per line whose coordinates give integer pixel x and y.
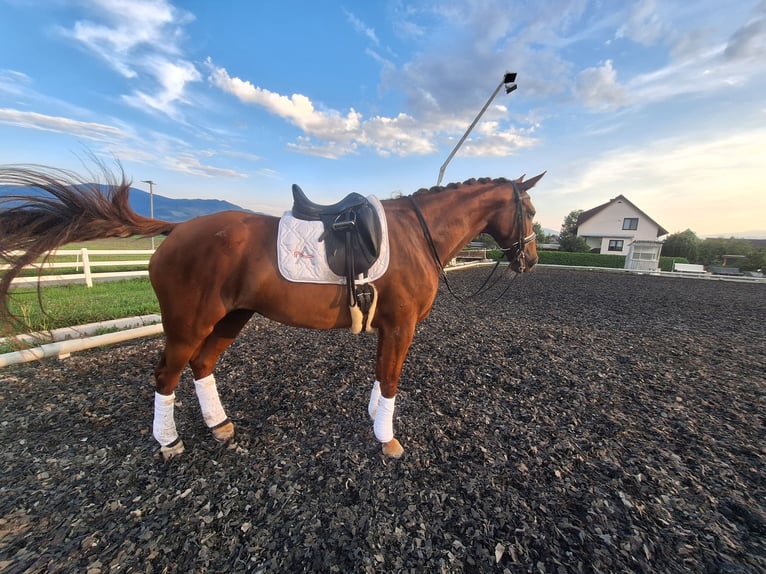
{"type": "Point", "coordinates": [589, 259]}
{"type": "Point", "coordinates": [569, 258]}
{"type": "Point", "coordinates": [582, 259]}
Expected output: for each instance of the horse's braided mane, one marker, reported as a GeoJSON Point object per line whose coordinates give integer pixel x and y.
{"type": "Point", "coordinates": [468, 182]}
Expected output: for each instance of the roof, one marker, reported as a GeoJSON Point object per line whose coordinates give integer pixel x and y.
{"type": "Point", "coordinates": [586, 215]}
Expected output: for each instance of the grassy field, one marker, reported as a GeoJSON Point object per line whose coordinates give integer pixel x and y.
{"type": "Point", "coordinates": [69, 305]}
{"type": "Point", "coordinates": [117, 243]}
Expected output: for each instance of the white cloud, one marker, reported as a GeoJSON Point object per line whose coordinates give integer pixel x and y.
{"type": "Point", "coordinates": [644, 24]}
{"type": "Point", "coordinates": [495, 142]}
{"type": "Point", "coordinates": [333, 134]}
{"type": "Point", "coordinates": [402, 135]}
{"type": "Point", "coordinates": [140, 39]}
{"type": "Point", "coordinates": [362, 28]}
{"type": "Point", "coordinates": [598, 87]}
{"type": "Point", "coordinates": [297, 108]}
{"type": "Point", "coordinates": [13, 82]}
{"type": "Point", "coordinates": [172, 78]}
{"type": "Point", "coordinates": [190, 164]}
{"type": "Point", "coordinates": [337, 134]}
{"type": "Point", "coordinates": [160, 151]}
{"type": "Point", "coordinates": [87, 130]}
{"type": "Point", "coordinates": [749, 41]}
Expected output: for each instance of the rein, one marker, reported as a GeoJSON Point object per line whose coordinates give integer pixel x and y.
{"type": "Point", "coordinates": [518, 246]}
{"type": "Point", "coordinates": [432, 247]}
{"type": "Point", "coordinates": [427, 233]}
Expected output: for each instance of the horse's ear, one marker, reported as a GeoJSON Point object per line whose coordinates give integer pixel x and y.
{"type": "Point", "coordinates": [530, 183]}
{"type": "Point", "coordinates": [520, 179]}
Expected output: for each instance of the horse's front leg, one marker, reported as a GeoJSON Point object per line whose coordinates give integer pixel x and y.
{"type": "Point", "coordinates": [393, 344]}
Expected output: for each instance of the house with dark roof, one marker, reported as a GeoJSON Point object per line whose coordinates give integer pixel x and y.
{"type": "Point", "coordinates": [616, 225]}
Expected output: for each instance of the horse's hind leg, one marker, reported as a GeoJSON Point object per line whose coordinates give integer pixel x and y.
{"type": "Point", "coordinates": [174, 358]}
{"type": "Point", "coordinates": [202, 365]}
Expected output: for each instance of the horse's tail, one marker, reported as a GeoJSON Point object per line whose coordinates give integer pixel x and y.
{"type": "Point", "coordinates": [52, 207]}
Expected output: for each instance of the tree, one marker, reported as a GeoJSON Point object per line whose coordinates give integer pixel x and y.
{"type": "Point", "coordinates": [540, 235]}
{"type": "Point", "coordinates": [487, 240]}
{"type": "Point", "coordinates": [682, 244]}
{"type": "Point", "coordinates": [568, 238]}
{"type": "Point", "coordinates": [712, 249]}
{"type": "Point", "coordinates": [755, 261]}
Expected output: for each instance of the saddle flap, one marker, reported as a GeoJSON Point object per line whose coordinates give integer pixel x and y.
{"type": "Point", "coordinates": [357, 242]}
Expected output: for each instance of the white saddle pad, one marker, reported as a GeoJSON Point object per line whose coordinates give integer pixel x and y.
{"type": "Point", "coordinates": [301, 256]}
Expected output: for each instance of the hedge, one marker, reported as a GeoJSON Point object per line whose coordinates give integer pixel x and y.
{"type": "Point", "coordinates": [589, 259]}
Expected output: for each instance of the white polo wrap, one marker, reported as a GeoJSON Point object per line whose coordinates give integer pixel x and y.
{"type": "Point", "coordinates": [384, 419]}
{"type": "Point", "coordinates": [209, 402]}
{"type": "Point", "coordinates": [372, 408]}
{"type": "Point", "coordinates": [164, 426]}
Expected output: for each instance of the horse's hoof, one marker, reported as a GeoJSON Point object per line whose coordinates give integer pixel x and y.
{"type": "Point", "coordinates": [173, 450]}
{"type": "Point", "coordinates": [224, 433]}
{"type": "Point", "coordinates": [393, 449]}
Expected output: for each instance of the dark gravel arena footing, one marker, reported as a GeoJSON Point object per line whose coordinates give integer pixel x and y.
{"type": "Point", "coordinates": [586, 422]}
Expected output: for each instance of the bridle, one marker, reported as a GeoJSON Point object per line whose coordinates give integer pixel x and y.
{"type": "Point", "coordinates": [514, 253]}
{"type": "Point", "coordinates": [517, 251]}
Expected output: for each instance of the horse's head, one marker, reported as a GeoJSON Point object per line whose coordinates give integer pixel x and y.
{"type": "Point", "coordinates": [512, 226]}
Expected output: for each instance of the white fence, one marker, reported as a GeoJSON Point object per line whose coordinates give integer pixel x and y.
{"type": "Point", "coordinates": [84, 261]}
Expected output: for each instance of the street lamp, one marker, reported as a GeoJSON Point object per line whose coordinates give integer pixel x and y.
{"type": "Point", "coordinates": [509, 81]}
{"type": "Point", "coordinates": [151, 202]}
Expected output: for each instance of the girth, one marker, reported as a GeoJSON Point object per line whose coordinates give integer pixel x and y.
{"type": "Point", "coordinates": [352, 234]}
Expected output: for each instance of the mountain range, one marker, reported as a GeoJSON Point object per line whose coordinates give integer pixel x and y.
{"type": "Point", "coordinates": [175, 210]}
{"type": "Point", "coordinates": [165, 208]}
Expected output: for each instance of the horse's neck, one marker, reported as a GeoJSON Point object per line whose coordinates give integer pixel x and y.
{"type": "Point", "coordinates": [455, 216]}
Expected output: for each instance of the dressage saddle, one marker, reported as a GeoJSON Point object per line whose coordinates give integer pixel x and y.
{"type": "Point", "coordinates": [352, 233]}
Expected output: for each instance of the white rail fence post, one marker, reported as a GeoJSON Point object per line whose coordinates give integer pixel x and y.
{"type": "Point", "coordinates": [86, 267]}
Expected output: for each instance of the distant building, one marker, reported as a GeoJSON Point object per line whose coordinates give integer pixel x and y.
{"type": "Point", "coordinates": [615, 225]}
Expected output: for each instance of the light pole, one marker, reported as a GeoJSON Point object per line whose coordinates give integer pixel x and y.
{"type": "Point", "coordinates": [509, 79]}
{"type": "Point", "coordinates": [151, 202]}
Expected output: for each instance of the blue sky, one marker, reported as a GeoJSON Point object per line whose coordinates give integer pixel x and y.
{"type": "Point", "coordinates": [659, 100]}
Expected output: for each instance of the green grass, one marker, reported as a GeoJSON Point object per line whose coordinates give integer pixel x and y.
{"type": "Point", "coordinates": [117, 243]}
{"type": "Point", "coordinates": [70, 305]}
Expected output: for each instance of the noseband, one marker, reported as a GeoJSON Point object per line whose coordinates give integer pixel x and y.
{"type": "Point", "coordinates": [517, 251]}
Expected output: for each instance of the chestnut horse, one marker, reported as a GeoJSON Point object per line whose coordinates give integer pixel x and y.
{"type": "Point", "coordinates": [212, 273]}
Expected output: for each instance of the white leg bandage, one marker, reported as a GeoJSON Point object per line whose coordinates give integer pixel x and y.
{"type": "Point", "coordinates": [209, 402]}
{"type": "Point", "coordinates": [164, 427]}
{"type": "Point", "coordinates": [372, 408]}
{"type": "Point", "coordinates": [384, 419]}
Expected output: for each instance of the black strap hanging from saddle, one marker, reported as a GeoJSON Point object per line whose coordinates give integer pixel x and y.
{"type": "Point", "coordinates": [352, 234]}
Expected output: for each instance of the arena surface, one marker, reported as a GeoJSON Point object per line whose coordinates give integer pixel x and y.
{"type": "Point", "coordinates": [586, 422]}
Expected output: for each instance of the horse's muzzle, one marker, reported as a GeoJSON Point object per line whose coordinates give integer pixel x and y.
{"type": "Point", "coordinates": [522, 263]}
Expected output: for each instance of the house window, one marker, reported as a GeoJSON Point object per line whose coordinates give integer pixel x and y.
{"type": "Point", "coordinates": [615, 245]}
{"type": "Point", "coordinates": [630, 223]}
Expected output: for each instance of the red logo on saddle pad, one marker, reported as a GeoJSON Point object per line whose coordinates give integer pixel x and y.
{"type": "Point", "coordinates": [302, 254]}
